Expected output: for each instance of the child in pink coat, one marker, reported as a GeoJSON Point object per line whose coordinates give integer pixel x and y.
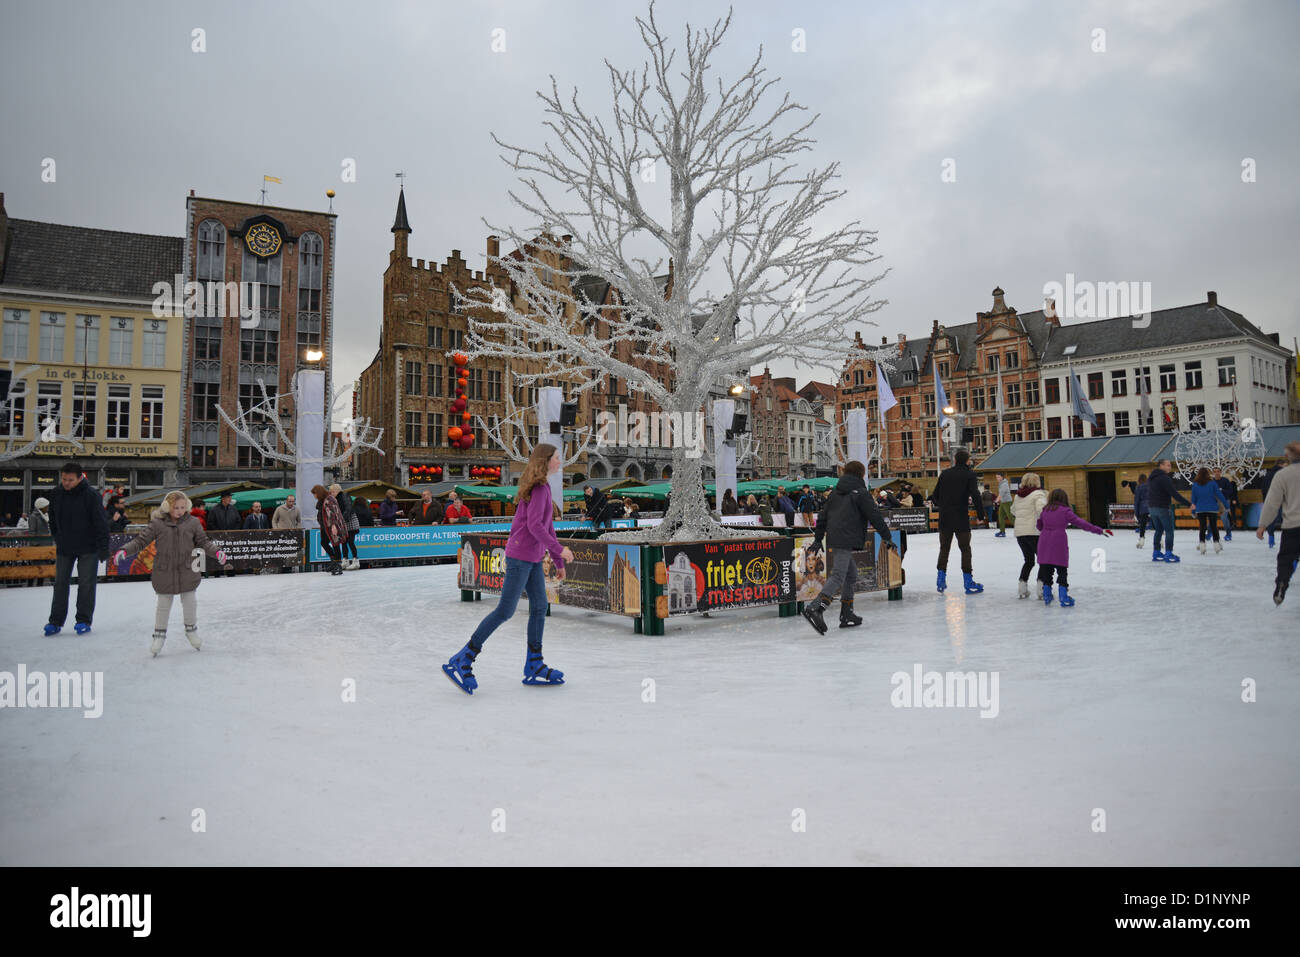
{"type": "Point", "coordinates": [1054, 544]}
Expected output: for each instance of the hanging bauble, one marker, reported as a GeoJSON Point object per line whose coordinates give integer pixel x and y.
{"type": "Point", "coordinates": [458, 405]}
{"type": "Point", "coordinates": [464, 416]}
{"type": "Point", "coordinates": [467, 437]}
{"type": "Point", "coordinates": [460, 359]}
{"type": "Point", "coordinates": [454, 433]}
{"type": "Point", "coordinates": [464, 442]}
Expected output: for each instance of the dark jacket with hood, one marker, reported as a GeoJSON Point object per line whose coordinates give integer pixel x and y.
{"type": "Point", "coordinates": [848, 511]}
{"type": "Point", "coordinates": [1161, 491]}
{"type": "Point", "coordinates": [956, 487]}
{"type": "Point", "coordinates": [78, 522]}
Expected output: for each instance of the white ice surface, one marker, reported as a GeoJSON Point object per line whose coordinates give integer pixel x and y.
{"type": "Point", "coordinates": [1129, 702]}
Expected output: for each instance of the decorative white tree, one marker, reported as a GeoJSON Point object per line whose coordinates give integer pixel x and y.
{"type": "Point", "coordinates": [1237, 448]}
{"type": "Point", "coordinates": [510, 434]}
{"type": "Point", "coordinates": [739, 214]}
{"type": "Point", "coordinates": [48, 427]}
{"type": "Point", "coordinates": [260, 424]}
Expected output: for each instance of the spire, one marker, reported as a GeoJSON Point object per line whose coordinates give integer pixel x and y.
{"type": "Point", "coordinates": [400, 223]}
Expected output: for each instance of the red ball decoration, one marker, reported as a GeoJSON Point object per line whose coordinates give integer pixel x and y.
{"type": "Point", "coordinates": [464, 416]}
{"type": "Point", "coordinates": [458, 405]}
{"type": "Point", "coordinates": [467, 438]}
{"type": "Point", "coordinates": [460, 359]}
{"type": "Point", "coordinates": [454, 433]}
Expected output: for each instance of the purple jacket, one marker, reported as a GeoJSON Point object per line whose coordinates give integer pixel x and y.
{"type": "Point", "coordinates": [1053, 544]}
{"type": "Point", "coordinates": [532, 533]}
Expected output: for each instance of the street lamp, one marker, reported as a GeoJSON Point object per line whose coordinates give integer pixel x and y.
{"type": "Point", "coordinates": [314, 355]}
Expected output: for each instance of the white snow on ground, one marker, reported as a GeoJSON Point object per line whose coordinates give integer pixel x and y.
{"type": "Point", "coordinates": [1129, 702]}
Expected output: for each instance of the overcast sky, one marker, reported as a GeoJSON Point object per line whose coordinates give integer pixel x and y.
{"type": "Point", "coordinates": [1122, 165]}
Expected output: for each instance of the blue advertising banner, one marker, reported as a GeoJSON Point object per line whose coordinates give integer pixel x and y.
{"type": "Point", "coordinates": [427, 541]}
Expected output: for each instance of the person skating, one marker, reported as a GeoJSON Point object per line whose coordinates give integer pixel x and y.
{"type": "Point", "coordinates": [955, 492]}
{"type": "Point", "coordinates": [1141, 509]}
{"type": "Point", "coordinates": [843, 524]}
{"type": "Point", "coordinates": [1160, 496]}
{"type": "Point", "coordinates": [1004, 505]}
{"type": "Point", "coordinates": [175, 534]}
{"type": "Point", "coordinates": [1283, 505]}
{"type": "Point", "coordinates": [80, 529]}
{"type": "Point", "coordinates": [1054, 544]}
{"type": "Point", "coordinates": [351, 526]}
{"type": "Point", "coordinates": [531, 537]}
{"type": "Point", "coordinates": [1207, 502]}
{"type": "Point", "coordinates": [1265, 485]}
{"type": "Point", "coordinates": [1028, 505]}
{"type": "Point", "coordinates": [1229, 489]}
{"type": "Point", "coordinates": [38, 522]}
{"type": "Point", "coordinates": [333, 530]}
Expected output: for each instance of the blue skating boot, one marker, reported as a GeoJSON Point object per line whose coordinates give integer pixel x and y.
{"type": "Point", "coordinates": [1047, 594]}
{"type": "Point", "coordinates": [52, 629]}
{"type": "Point", "coordinates": [83, 627]}
{"type": "Point", "coordinates": [1065, 599]}
{"type": "Point", "coordinates": [1172, 558]}
{"type": "Point", "coordinates": [942, 583]}
{"type": "Point", "coordinates": [1227, 536]}
{"type": "Point", "coordinates": [1157, 556]}
{"type": "Point", "coordinates": [972, 586]}
{"type": "Point", "coordinates": [536, 672]}
{"type": "Point", "coordinates": [460, 670]}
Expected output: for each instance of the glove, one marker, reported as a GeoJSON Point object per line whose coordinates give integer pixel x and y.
{"type": "Point", "coordinates": [121, 554]}
{"type": "Point", "coordinates": [1108, 532]}
{"type": "Point", "coordinates": [221, 557]}
{"type": "Point", "coordinates": [816, 546]}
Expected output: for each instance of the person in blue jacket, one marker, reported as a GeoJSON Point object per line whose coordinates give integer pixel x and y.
{"type": "Point", "coordinates": [1207, 502]}
{"type": "Point", "coordinates": [1141, 508]}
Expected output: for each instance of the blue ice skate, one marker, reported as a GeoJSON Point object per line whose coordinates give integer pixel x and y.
{"type": "Point", "coordinates": [52, 629]}
{"type": "Point", "coordinates": [942, 583]}
{"type": "Point", "coordinates": [972, 586]}
{"type": "Point", "coordinates": [1157, 556]}
{"type": "Point", "coordinates": [537, 673]}
{"type": "Point", "coordinates": [1065, 599]}
{"type": "Point", "coordinates": [1171, 558]}
{"type": "Point", "coordinates": [1047, 594]}
{"type": "Point", "coordinates": [83, 627]}
{"type": "Point", "coordinates": [460, 670]}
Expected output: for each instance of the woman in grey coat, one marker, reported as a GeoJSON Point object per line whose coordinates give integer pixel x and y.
{"type": "Point", "coordinates": [177, 566]}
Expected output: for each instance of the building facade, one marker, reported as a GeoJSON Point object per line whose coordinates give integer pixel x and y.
{"type": "Point", "coordinates": [264, 308]}
{"type": "Point", "coordinates": [87, 356]}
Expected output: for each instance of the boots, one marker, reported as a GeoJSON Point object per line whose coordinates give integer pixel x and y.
{"type": "Point", "coordinates": [1201, 548]}
{"type": "Point", "coordinates": [335, 569]}
{"type": "Point", "coordinates": [847, 618]}
{"type": "Point", "coordinates": [356, 564]}
{"type": "Point", "coordinates": [972, 586]}
{"type": "Point", "coordinates": [1024, 589]}
{"type": "Point", "coordinates": [1063, 595]}
{"type": "Point", "coordinates": [942, 583]}
{"type": "Point", "coordinates": [1142, 541]}
{"type": "Point", "coordinates": [537, 673]}
{"type": "Point", "coordinates": [1047, 593]}
{"type": "Point", "coordinates": [192, 633]}
{"type": "Point", "coordinates": [1279, 593]}
{"type": "Point", "coordinates": [1218, 547]}
{"type": "Point", "coordinates": [460, 670]}
{"type": "Point", "coordinates": [813, 612]}
{"type": "Point", "coordinates": [158, 638]}
{"type": "Point", "coordinates": [1157, 556]}
{"type": "Point", "coordinates": [1270, 538]}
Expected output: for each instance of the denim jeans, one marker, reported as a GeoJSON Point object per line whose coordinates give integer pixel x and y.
{"type": "Point", "coordinates": [521, 576]}
{"type": "Point", "coordinates": [1162, 523]}
{"type": "Point", "coordinates": [87, 574]}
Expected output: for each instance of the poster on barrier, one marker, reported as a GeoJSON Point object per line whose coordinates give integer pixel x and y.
{"type": "Point", "coordinates": [907, 519]}
{"type": "Point", "coordinates": [385, 542]}
{"type": "Point", "coordinates": [709, 576]}
{"type": "Point", "coordinates": [246, 549]}
{"type": "Point", "coordinates": [877, 571]}
{"type": "Point", "coordinates": [601, 577]}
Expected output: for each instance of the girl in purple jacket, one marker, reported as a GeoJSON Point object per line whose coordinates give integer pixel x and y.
{"type": "Point", "coordinates": [1054, 544]}
{"type": "Point", "coordinates": [532, 536]}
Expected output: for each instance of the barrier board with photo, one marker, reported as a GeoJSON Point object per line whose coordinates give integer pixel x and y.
{"type": "Point", "coordinates": [603, 576]}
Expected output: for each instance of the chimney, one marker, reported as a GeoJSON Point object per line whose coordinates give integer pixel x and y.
{"type": "Point", "coordinates": [999, 304]}
{"type": "Point", "coordinates": [1050, 315]}
{"type": "Point", "coordinates": [884, 340]}
{"type": "Point", "coordinates": [566, 239]}
{"type": "Point", "coordinates": [493, 247]}
{"type": "Point", "coordinates": [902, 343]}
{"type": "Point", "coordinates": [191, 192]}
{"type": "Point", "coordinates": [1211, 297]}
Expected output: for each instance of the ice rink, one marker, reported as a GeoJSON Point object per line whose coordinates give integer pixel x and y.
{"type": "Point", "coordinates": [1125, 710]}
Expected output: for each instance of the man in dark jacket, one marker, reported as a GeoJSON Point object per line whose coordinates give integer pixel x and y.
{"type": "Point", "coordinates": [426, 511]}
{"type": "Point", "coordinates": [117, 520]}
{"type": "Point", "coordinates": [597, 507]}
{"type": "Point", "coordinates": [256, 518]}
{"type": "Point", "coordinates": [80, 530]}
{"type": "Point", "coordinates": [956, 490]}
{"type": "Point", "coordinates": [843, 523]}
{"type": "Point", "coordinates": [224, 517]}
{"type": "Point", "coordinates": [785, 505]}
{"type": "Point", "coordinates": [1160, 496]}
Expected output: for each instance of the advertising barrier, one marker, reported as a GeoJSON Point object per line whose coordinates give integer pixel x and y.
{"type": "Point", "coordinates": [878, 569]}
{"type": "Point", "coordinates": [907, 519]}
{"type": "Point", "coordinates": [427, 541]}
{"type": "Point", "coordinates": [601, 577]}
{"type": "Point", "coordinates": [708, 576]}
{"type": "Point", "coordinates": [1121, 516]}
{"type": "Point", "coordinates": [245, 548]}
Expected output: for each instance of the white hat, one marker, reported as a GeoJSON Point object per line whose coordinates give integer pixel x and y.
{"type": "Point", "coordinates": [42, 503]}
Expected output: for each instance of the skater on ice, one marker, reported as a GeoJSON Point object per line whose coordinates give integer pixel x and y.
{"type": "Point", "coordinates": [843, 524]}
{"type": "Point", "coordinates": [1141, 513]}
{"type": "Point", "coordinates": [1282, 505]}
{"type": "Point", "coordinates": [177, 537]}
{"type": "Point", "coordinates": [333, 530]}
{"type": "Point", "coordinates": [532, 536]}
{"type": "Point", "coordinates": [955, 492]}
{"type": "Point", "coordinates": [1208, 501]}
{"type": "Point", "coordinates": [1028, 505]}
{"type": "Point", "coordinates": [80, 529]}
{"type": "Point", "coordinates": [1054, 544]}
{"type": "Point", "coordinates": [1229, 489]}
{"type": "Point", "coordinates": [1161, 495]}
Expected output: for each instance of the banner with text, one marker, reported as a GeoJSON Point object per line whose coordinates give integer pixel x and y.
{"type": "Point", "coordinates": [601, 577]}
{"type": "Point", "coordinates": [384, 542]}
{"type": "Point", "coordinates": [708, 576]}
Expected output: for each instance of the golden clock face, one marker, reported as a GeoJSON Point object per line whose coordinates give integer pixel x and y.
{"type": "Point", "coordinates": [262, 240]}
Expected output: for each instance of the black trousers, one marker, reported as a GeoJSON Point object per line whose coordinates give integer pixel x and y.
{"type": "Point", "coordinates": [1209, 523]}
{"type": "Point", "coordinates": [87, 574]}
{"type": "Point", "coordinates": [963, 544]}
{"type": "Point", "coordinates": [1288, 553]}
{"type": "Point", "coordinates": [1062, 573]}
{"type": "Point", "coordinates": [1029, 548]}
{"type": "Point", "coordinates": [331, 549]}
{"type": "Point", "coordinates": [350, 544]}
{"type": "Point", "coordinates": [1142, 521]}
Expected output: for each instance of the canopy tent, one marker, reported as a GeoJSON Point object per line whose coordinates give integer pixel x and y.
{"type": "Point", "coordinates": [506, 493]}
{"type": "Point", "coordinates": [207, 491]}
{"type": "Point", "coordinates": [271, 498]}
{"type": "Point", "coordinates": [439, 489]}
{"type": "Point", "coordinates": [660, 490]}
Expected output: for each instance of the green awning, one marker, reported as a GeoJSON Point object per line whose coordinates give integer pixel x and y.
{"type": "Point", "coordinates": [271, 498]}
{"type": "Point", "coordinates": [506, 493]}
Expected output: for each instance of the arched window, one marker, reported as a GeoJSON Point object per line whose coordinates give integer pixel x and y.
{"type": "Point", "coordinates": [211, 263]}
{"type": "Point", "coordinates": [310, 266]}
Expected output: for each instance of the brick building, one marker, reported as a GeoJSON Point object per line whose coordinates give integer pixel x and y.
{"type": "Point", "coordinates": [289, 255]}
{"type": "Point", "coordinates": [769, 423]}
{"type": "Point", "coordinates": [409, 387]}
